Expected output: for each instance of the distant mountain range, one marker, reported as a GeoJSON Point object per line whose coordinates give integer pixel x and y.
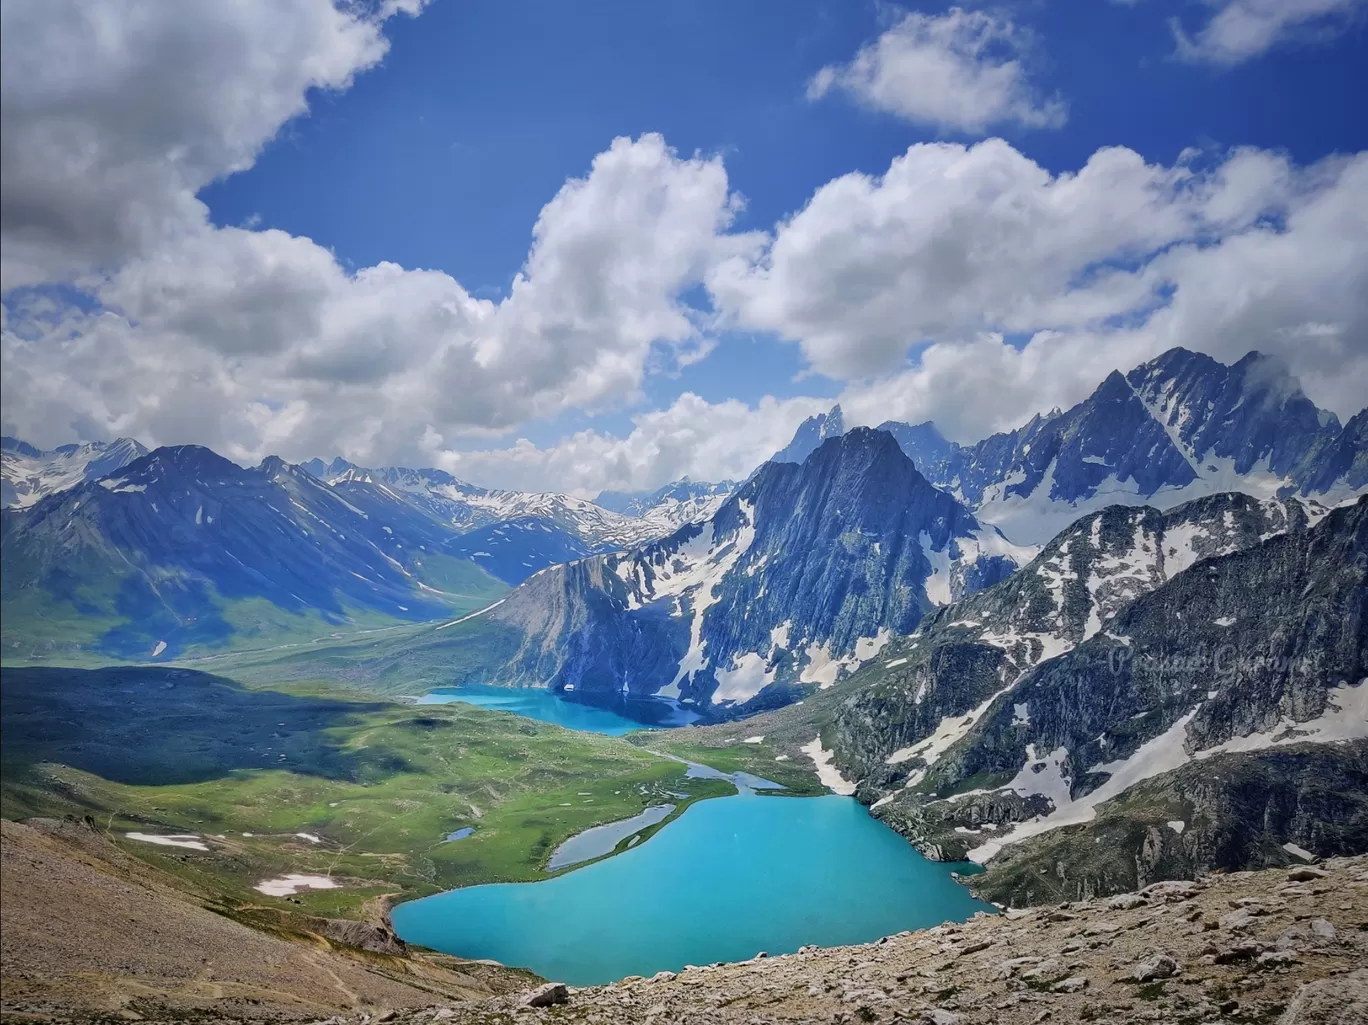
{"type": "Point", "coordinates": [30, 473]}
{"type": "Point", "coordinates": [683, 501]}
{"type": "Point", "coordinates": [733, 596]}
{"type": "Point", "coordinates": [119, 552]}
{"type": "Point", "coordinates": [1176, 428]}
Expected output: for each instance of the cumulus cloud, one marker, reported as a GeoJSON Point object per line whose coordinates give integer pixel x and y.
{"type": "Point", "coordinates": [273, 330]}
{"type": "Point", "coordinates": [953, 243]}
{"type": "Point", "coordinates": [692, 437]}
{"type": "Point", "coordinates": [113, 115]}
{"type": "Point", "coordinates": [960, 71]}
{"type": "Point", "coordinates": [1242, 29]}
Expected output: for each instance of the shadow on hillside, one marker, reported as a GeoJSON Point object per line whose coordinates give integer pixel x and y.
{"type": "Point", "coordinates": [159, 726]}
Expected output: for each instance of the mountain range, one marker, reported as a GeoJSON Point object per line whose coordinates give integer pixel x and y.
{"type": "Point", "coordinates": [1173, 429]}
{"type": "Point", "coordinates": [734, 597]}
{"type": "Point", "coordinates": [30, 473]}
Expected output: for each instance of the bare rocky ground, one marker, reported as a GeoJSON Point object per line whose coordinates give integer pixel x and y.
{"type": "Point", "coordinates": [1283, 947]}
{"type": "Point", "coordinates": [89, 933]}
{"type": "Point", "coordinates": [1279, 946]}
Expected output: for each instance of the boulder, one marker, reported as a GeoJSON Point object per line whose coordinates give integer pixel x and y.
{"type": "Point", "coordinates": [547, 995]}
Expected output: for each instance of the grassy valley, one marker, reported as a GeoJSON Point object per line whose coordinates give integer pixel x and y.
{"type": "Point", "coordinates": [297, 781]}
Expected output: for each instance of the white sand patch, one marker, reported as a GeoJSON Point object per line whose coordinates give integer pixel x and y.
{"type": "Point", "coordinates": [827, 773]}
{"type": "Point", "coordinates": [187, 840]}
{"type": "Point", "coordinates": [285, 886]}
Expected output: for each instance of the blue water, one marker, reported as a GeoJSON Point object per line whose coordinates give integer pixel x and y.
{"type": "Point", "coordinates": [730, 877]}
{"type": "Point", "coordinates": [574, 713]}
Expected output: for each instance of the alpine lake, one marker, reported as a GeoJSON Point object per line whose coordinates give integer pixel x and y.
{"type": "Point", "coordinates": [727, 879]}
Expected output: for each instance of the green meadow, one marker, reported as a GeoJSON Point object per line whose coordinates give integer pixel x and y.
{"type": "Point", "coordinates": [378, 784]}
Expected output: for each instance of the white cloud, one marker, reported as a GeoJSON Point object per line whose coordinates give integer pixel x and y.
{"type": "Point", "coordinates": [692, 437]}
{"type": "Point", "coordinates": [1106, 266]}
{"type": "Point", "coordinates": [115, 114]}
{"type": "Point", "coordinates": [1242, 29]}
{"type": "Point", "coordinates": [269, 334]}
{"type": "Point", "coordinates": [960, 71]}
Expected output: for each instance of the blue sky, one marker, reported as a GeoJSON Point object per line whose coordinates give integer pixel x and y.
{"type": "Point", "coordinates": [442, 154]}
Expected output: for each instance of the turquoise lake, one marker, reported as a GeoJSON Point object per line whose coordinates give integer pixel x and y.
{"type": "Point", "coordinates": [619, 717]}
{"type": "Point", "coordinates": [730, 877]}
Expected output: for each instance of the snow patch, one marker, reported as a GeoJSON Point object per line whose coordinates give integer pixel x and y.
{"type": "Point", "coordinates": [286, 886]}
{"type": "Point", "coordinates": [188, 840]}
{"type": "Point", "coordinates": [827, 773]}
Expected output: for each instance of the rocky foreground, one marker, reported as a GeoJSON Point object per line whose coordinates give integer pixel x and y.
{"type": "Point", "coordinates": [1287, 946]}
{"type": "Point", "coordinates": [1284, 946]}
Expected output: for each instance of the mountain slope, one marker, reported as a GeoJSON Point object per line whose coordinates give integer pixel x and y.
{"type": "Point", "coordinates": [802, 573]}
{"type": "Point", "coordinates": [1244, 652]}
{"type": "Point", "coordinates": [31, 474]}
{"type": "Point", "coordinates": [154, 558]}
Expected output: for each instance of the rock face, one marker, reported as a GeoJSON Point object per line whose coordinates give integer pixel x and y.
{"type": "Point", "coordinates": [1167, 955]}
{"type": "Point", "coordinates": [1226, 812]}
{"type": "Point", "coordinates": [975, 650]}
{"type": "Point", "coordinates": [810, 435]}
{"type": "Point", "coordinates": [1247, 652]}
{"type": "Point", "coordinates": [803, 572]}
{"type": "Point", "coordinates": [1156, 695]}
{"type": "Point", "coordinates": [1174, 429]}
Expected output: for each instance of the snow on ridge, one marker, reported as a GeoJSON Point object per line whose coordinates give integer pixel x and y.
{"type": "Point", "coordinates": [1344, 719]}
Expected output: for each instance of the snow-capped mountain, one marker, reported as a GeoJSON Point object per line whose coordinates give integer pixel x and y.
{"type": "Point", "coordinates": [1171, 430]}
{"type": "Point", "coordinates": [810, 435]}
{"type": "Point", "coordinates": [1250, 653]}
{"type": "Point", "coordinates": [670, 507]}
{"type": "Point", "coordinates": [467, 507]}
{"type": "Point", "coordinates": [31, 474]}
{"type": "Point", "coordinates": [799, 576]}
{"type": "Point", "coordinates": [930, 688]}
{"type": "Point", "coordinates": [182, 547]}
{"type": "Point", "coordinates": [514, 549]}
